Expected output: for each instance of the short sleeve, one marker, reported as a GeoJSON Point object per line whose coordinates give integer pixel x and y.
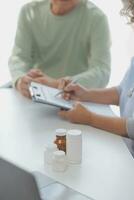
{"type": "Point", "coordinates": [127, 77]}
{"type": "Point", "coordinates": [130, 127]}
{"type": "Point", "coordinates": [118, 88]}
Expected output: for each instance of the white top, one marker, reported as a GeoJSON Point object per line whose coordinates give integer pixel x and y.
{"type": "Point", "coordinates": [126, 92]}
{"type": "Point", "coordinates": [60, 131]}
{"type": "Point", "coordinates": [59, 154]}
{"type": "Point", "coordinates": [74, 132]}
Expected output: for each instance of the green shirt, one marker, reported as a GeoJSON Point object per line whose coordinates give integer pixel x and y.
{"type": "Point", "coordinates": [76, 44]}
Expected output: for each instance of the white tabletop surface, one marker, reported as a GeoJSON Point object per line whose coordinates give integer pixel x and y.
{"type": "Point", "coordinates": [107, 169]}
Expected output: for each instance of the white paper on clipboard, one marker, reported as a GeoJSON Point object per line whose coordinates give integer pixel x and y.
{"type": "Point", "coordinates": [47, 95]}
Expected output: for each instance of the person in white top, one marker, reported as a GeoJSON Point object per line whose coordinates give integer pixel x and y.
{"type": "Point", "coordinates": [121, 95]}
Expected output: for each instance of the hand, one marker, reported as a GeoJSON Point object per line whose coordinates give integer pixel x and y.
{"type": "Point", "coordinates": [63, 82]}
{"type": "Point", "coordinates": [23, 84]}
{"type": "Point", "coordinates": [47, 80]}
{"type": "Point", "coordinates": [75, 92]}
{"type": "Point", "coordinates": [40, 77]}
{"type": "Point", "coordinates": [35, 73]}
{"type": "Point", "coordinates": [78, 114]}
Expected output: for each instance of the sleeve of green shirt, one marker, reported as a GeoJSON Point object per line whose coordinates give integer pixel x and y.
{"type": "Point", "coordinates": [99, 69]}
{"type": "Point", "coordinates": [21, 59]}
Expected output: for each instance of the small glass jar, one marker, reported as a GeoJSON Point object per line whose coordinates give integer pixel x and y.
{"type": "Point", "coordinates": [59, 162]}
{"type": "Point", "coordinates": [49, 149]}
{"type": "Point", "coordinates": [60, 140]}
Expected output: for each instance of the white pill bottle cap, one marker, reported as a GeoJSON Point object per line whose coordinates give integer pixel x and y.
{"type": "Point", "coordinates": [60, 131]}
{"type": "Point", "coordinates": [74, 146]}
{"type": "Point", "coordinates": [59, 155]}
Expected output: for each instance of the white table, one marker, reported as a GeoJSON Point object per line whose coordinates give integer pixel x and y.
{"type": "Point", "coordinates": [107, 170]}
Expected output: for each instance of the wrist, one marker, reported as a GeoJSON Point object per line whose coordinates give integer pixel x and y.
{"type": "Point", "coordinates": [92, 118]}
{"type": "Point", "coordinates": [46, 80]}
{"type": "Point", "coordinates": [87, 95]}
{"type": "Point", "coordinates": [54, 83]}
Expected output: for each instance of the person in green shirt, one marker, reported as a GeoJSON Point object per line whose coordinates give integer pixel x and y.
{"type": "Point", "coordinates": [61, 39]}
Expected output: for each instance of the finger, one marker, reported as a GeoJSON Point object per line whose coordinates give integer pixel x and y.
{"type": "Point", "coordinates": [70, 96]}
{"type": "Point", "coordinates": [26, 93]}
{"type": "Point", "coordinates": [23, 83]}
{"type": "Point", "coordinates": [42, 80]}
{"type": "Point", "coordinates": [38, 71]}
{"type": "Point", "coordinates": [24, 86]}
{"type": "Point", "coordinates": [27, 83]}
{"type": "Point", "coordinates": [71, 87]}
{"type": "Point", "coordinates": [35, 73]}
{"type": "Point", "coordinates": [66, 96]}
{"type": "Point", "coordinates": [62, 84]}
{"type": "Point", "coordinates": [26, 79]}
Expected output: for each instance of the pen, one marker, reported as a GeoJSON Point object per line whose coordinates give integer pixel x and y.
{"type": "Point", "coordinates": [62, 91]}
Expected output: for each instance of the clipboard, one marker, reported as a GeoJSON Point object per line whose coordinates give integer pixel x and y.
{"type": "Point", "coordinates": [48, 95]}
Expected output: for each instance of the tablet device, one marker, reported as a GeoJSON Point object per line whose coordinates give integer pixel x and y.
{"type": "Point", "coordinates": [48, 95]}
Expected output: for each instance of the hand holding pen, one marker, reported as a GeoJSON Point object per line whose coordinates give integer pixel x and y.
{"type": "Point", "coordinates": [64, 85]}
{"type": "Point", "coordinates": [75, 92]}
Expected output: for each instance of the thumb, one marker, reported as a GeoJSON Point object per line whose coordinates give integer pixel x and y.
{"type": "Point", "coordinates": [70, 88]}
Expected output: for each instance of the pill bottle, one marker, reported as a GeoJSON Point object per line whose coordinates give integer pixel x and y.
{"type": "Point", "coordinates": [74, 146]}
{"type": "Point", "coordinates": [59, 162]}
{"type": "Point", "coordinates": [60, 139]}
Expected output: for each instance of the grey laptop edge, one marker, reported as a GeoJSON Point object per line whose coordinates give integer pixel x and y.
{"type": "Point", "coordinates": [18, 184]}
